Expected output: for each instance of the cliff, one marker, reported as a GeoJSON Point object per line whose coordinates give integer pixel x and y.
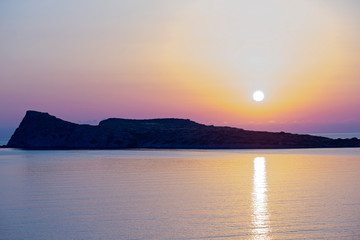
{"type": "Point", "coordinates": [42, 131]}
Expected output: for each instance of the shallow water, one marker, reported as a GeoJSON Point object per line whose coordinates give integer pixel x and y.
{"type": "Point", "coordinates": [215, 194]}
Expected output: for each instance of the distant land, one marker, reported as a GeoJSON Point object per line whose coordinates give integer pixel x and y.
{"type": "Point", "coordinates": [42, 131]}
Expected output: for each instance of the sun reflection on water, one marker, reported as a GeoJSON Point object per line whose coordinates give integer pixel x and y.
{"type": "Point", "coordinates": [260, 217]}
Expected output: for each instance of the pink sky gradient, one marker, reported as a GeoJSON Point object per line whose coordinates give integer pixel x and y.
{"type": "Point", "coordinates": [200, 60]}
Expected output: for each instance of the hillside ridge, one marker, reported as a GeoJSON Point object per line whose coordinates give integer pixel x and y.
{"type": "Point", "coordinates": [39, 130]}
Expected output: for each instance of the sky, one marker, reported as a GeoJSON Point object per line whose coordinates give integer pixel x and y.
{"type": "Point", "coordinates": [84, 61]}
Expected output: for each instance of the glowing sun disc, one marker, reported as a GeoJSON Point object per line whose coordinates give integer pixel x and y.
{"type": "Point", "coordinates": [258, 96]}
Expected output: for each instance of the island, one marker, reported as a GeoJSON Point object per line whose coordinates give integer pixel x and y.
{"type": "Point", "coordinates": [40, 130]}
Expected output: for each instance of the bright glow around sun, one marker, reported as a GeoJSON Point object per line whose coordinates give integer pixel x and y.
{"type": "Point", "coordinates": [258, 96]}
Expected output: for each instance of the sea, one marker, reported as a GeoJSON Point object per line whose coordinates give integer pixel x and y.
{"type": "Point", "coordinates": [180, 194]}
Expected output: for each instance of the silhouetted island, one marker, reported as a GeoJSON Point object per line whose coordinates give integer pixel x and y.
{"type": "Point", "coordinates": [42, 131]}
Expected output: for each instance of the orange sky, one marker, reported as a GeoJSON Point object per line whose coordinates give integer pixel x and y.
{"type": "Point", "coordinates": [190, 59]}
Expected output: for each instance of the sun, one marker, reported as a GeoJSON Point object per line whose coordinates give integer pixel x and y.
{"type": "Point", "coordinates": [258, 96]}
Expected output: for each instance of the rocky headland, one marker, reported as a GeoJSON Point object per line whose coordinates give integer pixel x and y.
{"type": "Point", "coordinates": [40, 130]}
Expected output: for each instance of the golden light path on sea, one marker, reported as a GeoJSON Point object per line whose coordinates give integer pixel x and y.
{"type": "Point", "coordinates": [260, 217]}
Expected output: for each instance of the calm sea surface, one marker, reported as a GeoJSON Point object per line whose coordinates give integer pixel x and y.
{"type": "Point", "coordinates": [235, 194]}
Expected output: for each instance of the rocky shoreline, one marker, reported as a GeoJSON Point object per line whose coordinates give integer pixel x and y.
{"type": "Point", "coordinates": [40, 130]}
